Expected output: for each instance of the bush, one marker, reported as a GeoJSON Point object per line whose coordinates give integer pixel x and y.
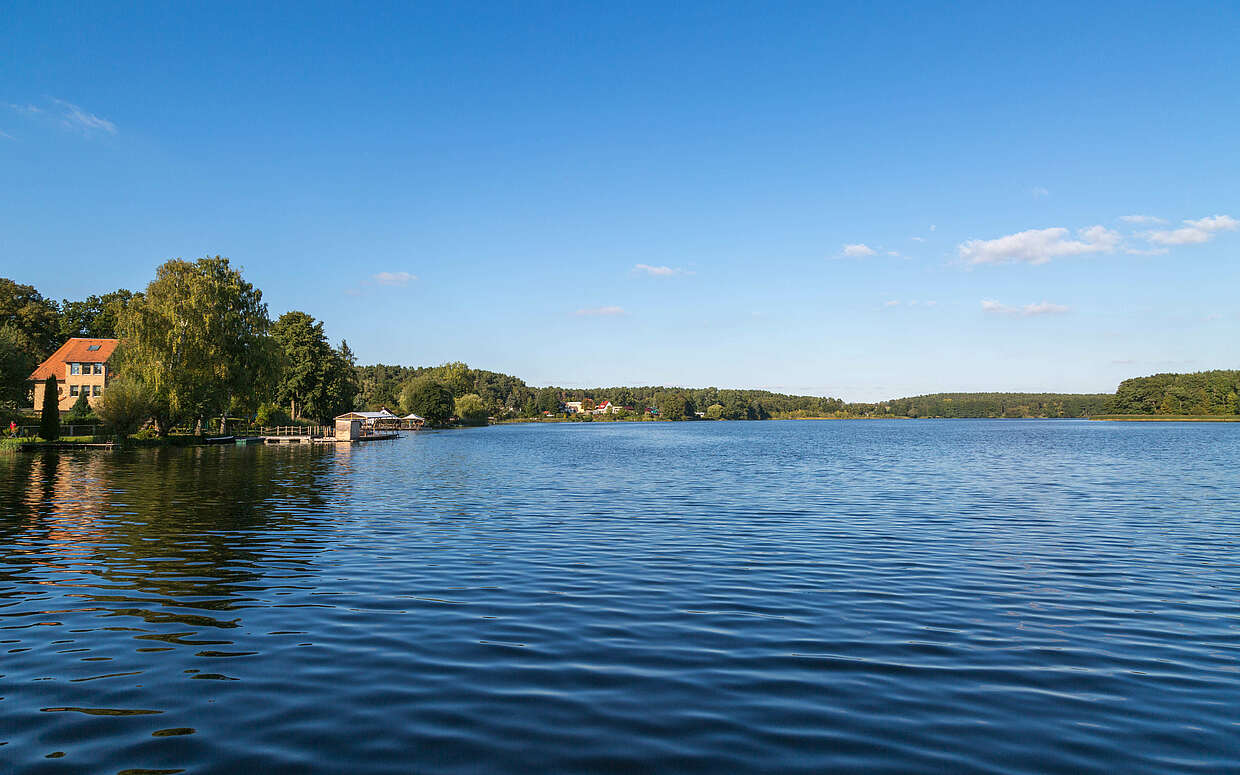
{"type": "Point", "coordinates": [271, 414]}
{"type": "Point", "coordinates": [470, 409]}
{"type": "Point", "coordinates": [124, 407]}
{"type": "Point", "coordinates": [80, 412]}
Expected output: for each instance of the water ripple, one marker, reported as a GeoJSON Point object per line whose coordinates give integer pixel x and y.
{"type": "Point", "coordinates": [990, 596]}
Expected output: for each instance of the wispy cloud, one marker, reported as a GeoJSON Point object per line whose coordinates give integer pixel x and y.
{"type": "Point", "coordinates": [918, 239]}
{"type": "Point", "coordinates": [857, 250]}
{"type": "Point", "coordinates": [68, 115]}
{"type": "Point", "coordinates": [1026, 311]}
{"type": "Point", "coordinates": [6, 135]}
{"type": "Point", "coordinates": [395, 279]}
{"type": "Point", "coordinates": [77, 119]}
{"type": "Point", "coordinates": [1039, 193]}
{"type": "Point", "coordinates": [1141, 219]}
{"type": "Point", "coordinates": [912, 303]}
{"type": "Point", "coordinates": [1038, 246]}
{"type": "Point", "coordinates": [659, 271]}
{"type": "Point", "coordinates": [1193, 232]}
{"type": "Point", "coordinates": [600, 312]}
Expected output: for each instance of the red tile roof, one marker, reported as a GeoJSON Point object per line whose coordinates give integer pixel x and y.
{"type": "Point", "coordinates": [75, 350]}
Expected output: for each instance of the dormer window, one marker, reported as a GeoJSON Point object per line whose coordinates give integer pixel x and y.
{"type": "Point", "coordinates": [93, 347]}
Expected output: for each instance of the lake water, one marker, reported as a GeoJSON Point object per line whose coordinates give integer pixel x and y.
{"type": "Point", "coordinates": [948, 596]}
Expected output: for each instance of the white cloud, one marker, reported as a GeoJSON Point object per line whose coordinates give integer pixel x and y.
{"type": "Point", "coordinates": [78, 119]}
{"type": "Point", "coordinates": [858, 250]}
{"type": "Point", "coordinates": [918, 239]}
{"type": "Point", "coordinates": [1038, 246]}
{"type": "Point", "coordinates": [1141, 219]}
{"type": "Point", "coordinates": [1026, 311]}
{"type": "Point", "coordinates": [395, 279]}
{"type": "Point", "coordinates": [892, 303]}
{"type": "Point", "coordinates": [6, 135]}
{"type": "Point", "coordinates": [1195, 232]}
{"type": "Point", "coordinates": [28, 109]}
{"type": "Point", "coordinates": [1038, 192]}
{"type": "Point", "coordinates": [600, 312]}
{"type": "Point", "coordinates": [659, 271]}
{"type": "Point", "coordinates": [933, 227]}
{"type": "Point", "coordinates": [893, 252]}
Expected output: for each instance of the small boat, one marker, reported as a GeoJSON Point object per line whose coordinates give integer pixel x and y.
{"type": "Point", "coordinates": [220, 439]}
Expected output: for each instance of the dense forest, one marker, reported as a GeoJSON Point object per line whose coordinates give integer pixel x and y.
{"type": "Point", "coordinates": [507, 396]}
{"type": "Point", "coordinates": [1201, 392]}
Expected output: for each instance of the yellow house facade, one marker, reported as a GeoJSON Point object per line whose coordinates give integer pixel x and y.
{"type": "Point", "coordinates": [81, 366]}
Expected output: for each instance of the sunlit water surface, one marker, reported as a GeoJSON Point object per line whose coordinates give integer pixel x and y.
{"type": "Point", "coordinates": [997, 596]}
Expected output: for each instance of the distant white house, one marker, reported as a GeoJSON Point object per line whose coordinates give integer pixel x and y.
{"type": "Point", "coordinates": [572, 407]}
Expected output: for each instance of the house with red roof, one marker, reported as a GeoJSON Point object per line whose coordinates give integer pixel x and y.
{"type": "Point", "coordinates": [81, 368]}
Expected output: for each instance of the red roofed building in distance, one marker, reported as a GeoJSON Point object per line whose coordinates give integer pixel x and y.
{"type": "Point", "coordinates": [80, 366]}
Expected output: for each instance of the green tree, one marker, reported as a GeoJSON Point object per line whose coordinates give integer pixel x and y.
{"type": "Point", "coordinates": [674, 406]}
{"type": "Point", "coordinates": [735, 407]}
{"type": "Point", "coordinates": [124, 407]}
{"type": "Point", "coordinates": [49, 418]}
{"type": "Point", "coordinates": [197, 338]}
{"type": "Point", "coordinates": [456, 377]}
{"type": "Point", "coordinates": [35, 318]}
{"type": "Point", "coordinates": [16, 363]}
{"type": "Point", "coordinates": [470, 409]}
{"type": "Point", "coordinates": [714, 412]}
{"type": "Point", "coordinates": [340, 383]}
{"type": "Point", "coordinates": [305, 354]}
{"type": "Point", "coordinates": [95, 317]}
{"type": "Point", "coordinates": [428, 398]}
{"type": "Point", "coordinates": [547, 400]}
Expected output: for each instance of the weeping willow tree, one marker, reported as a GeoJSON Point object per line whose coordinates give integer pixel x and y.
{"type": "Point", "coordinates": [197, 340]}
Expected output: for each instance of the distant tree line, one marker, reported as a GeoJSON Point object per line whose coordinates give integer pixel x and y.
{"type": "Point", "coordinates": [987, 405]}
{"type": "Point", "coordinates": [1198, 393]}
{"type": "Point", "coordinates": [198, 343]}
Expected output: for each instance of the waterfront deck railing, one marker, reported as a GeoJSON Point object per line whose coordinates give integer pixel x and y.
{"type": "Point", "coordinates": [313, 431]}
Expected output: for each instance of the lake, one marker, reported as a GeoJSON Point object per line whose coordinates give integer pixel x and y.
{"type": "Point", "coordinates": [946, 596]}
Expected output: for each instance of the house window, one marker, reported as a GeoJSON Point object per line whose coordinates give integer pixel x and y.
{"type": "Point", "coordinates": [96, 390]}
{"type": "Point", "coordinates": [73, 390]}
{"type": "Point", "coordinates": [92, 348]}
{"type": "Point", "coordinates": [75, 368]}
{"type": "Point", "coordinates": [98, 368]}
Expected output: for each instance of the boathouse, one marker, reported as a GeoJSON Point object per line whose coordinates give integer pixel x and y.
{"type": "Point", "coordinates": [380, 420]}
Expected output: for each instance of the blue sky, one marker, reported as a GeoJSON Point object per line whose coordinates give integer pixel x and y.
{"type": "Point", "coordinates": [861, 201]}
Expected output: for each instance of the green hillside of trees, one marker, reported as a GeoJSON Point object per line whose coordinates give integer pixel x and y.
{"type": "Point", "coordinates": [988, 405]}
{"type": "Point", "coordinates": [1198, 393]}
